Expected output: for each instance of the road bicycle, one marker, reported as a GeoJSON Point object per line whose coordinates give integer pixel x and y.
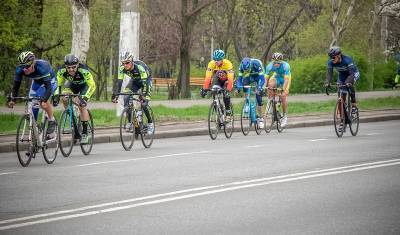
{"type": "Point", "coordinates": [134, 122]}
{"type": "Point", "coordinates": [217, 116]}
{"type": "Point", "coordinates": [273, 111]}
{"type": "Point", "coordinates": [344, 112]}
{"type": "Point", "coordinates": [31, 136]}
{"type": "Point", "coordinates": [248, 116]}
{"type": "Point", "coordinates": [70, 128]}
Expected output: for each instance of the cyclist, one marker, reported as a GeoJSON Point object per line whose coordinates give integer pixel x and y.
{"type": "Point", "coordinates": [277, 73]}
{"type": "Point", "coordinates": [140, 78]}
{"type": "Point", "coordinates": [251, 71]}
{"type": "Point", "coordinates": [43, 85]}
{"type": "Point", "coordinates": [76, 78]}
{"type": "Point", "coordinates": [397, 78]}
{"type": "Point", "coordinates": [348, 72]}
{"type": "Point", "coordinates": [219, 72]}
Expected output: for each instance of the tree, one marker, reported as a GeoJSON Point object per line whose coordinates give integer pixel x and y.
{"type": "Point", "coordinates": [338, 29]}
{"type": "Point", "coordinates": [80, 28]}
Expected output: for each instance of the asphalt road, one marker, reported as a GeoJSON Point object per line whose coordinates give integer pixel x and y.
{"type": "Point", "coordinates": [303, 181]}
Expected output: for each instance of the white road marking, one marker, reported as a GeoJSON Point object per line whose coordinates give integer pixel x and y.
{"type": "Point", "coordinates": [142, 158]}
{"type": "Point", "coordinates": [8, 173]}
{"type": "Point", "coordinates": [373, 133]}
{"type": "Point", "coordinates": [315, 140]}
{"type": "Point", "coordinates": [190, 193]}
{"type": "Point", "coordinates": [255, 146]}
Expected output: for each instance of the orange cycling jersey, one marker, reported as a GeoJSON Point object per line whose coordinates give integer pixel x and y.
{"type": "Point", "coordinates": [212, 68]}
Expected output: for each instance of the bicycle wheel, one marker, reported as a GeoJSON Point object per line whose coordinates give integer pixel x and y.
{"type": "Point", "coordinates": [229, 123]}
{"type": "Point", "coordinates": [66, 133]}
{"type": "Point", "coordinates": [278, 121]}
{"type": "Point", "coordinates": [256, 125]}
{"type": "Point", "coordinates": [269, 119]}
{"type": "Point", "coordinates": [355, 121]}
{"type": "Point", "coordinates": [25, 141]}
{"type": "Point", "coordinates": [127, 128]}
{"type": "Point", "coordinates": [213, 124]}
{"type": "Point", "coordinates": [87, 148]}
{"type": "Point", "coordinates": [146, 135]}
{"type": "Point", "coordinates": [50, 143]}
{"type": "Point", "coordinates": [245, 121]}
{"type": "Point", "coordinates": [338, 119]}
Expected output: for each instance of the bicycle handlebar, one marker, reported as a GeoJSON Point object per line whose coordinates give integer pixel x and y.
{"type": "Point", "coordinates": [337, 87]}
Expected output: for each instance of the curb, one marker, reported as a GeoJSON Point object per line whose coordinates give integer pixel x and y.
{"type": "Point", "coordinates": [104, 138]}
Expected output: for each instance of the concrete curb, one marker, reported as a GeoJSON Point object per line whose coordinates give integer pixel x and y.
{"type": "Point", "coordinates": [107, 138]}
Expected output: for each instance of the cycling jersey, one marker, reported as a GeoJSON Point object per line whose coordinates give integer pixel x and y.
{"type": "Point", "coordinates": [345, 67]}
{"type": "Point", "coordinates": [42, 76]}
{"type": "Point", "coordinates": [140, 78]}
{"type": "Point", "coordinates": [254, 74]}
{"type": "Point", "coordinates": [279, 73]}
{"type": "Point", "coordinates": [82, 82]}
{"type": "Point", "coordinates": [212, 68]}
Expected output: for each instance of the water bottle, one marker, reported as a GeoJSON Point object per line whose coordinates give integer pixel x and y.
{"type": "Point", "coordinates": [246, 108]}
{"type": "Point", "coordinates": [252, 111]}
{"type": "Point", "coordinates": [139, 115]}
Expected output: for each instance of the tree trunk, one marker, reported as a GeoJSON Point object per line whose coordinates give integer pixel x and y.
{"type": "Point", "coordinates": [80, 28]}
{"type": "Point", "coordinates": [337, 30]}
{"type": "Point", "coordinates": [184, 67]}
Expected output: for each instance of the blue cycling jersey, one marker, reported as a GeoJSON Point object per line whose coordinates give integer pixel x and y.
{"type": "Point", "coordinates": [254, 74]}
{"type": "Point", "coordinates": [43, 72]}
{"type": "Point", "coordinates": [345, 67]}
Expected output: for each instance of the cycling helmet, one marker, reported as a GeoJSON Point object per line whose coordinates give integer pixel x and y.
{"type": "Point", "coordinates": [245, 64]}
{"type": "Point", "coordinates": [126, 57]}
{"type": "Point", "coordinates": [277, 56]}
{"type": "Point", "coordinates": [71, 59]}
{"type": "Point", "coordinates": [334, 51]}
{"type": "Point", "coordinates": [26, 57]}
{"type": "Point", "coordinates": [218, 55]}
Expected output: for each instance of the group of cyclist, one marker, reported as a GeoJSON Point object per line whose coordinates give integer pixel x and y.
{"type": "Point", "coordinates": [251, 71]}
{"type": "Point", "coordinates": [74, 77]}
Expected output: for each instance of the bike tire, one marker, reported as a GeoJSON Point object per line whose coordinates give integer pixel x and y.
{"type": "Point", "coordinates": [279, 127]}
{"type": "Point", "coordinates": [50, 147]}
{"type": "Point", "coordinates": [87, 148]}
{"type": "Point", "coordinates": [66, 134]}
{"type": "Point", "coordinates": [354, 122]}
{"type": "Point", "coordinates": [338, 119]}
{"type": "Point", "coordinates": [25, 152]}
{"type": "Point", "coordinates": [245, 121]}
{"type": "Point", "coordinates": [213, 123]}
{"type": "Point", "coordinates": [229, 124]}
{"type": "Point", "coordinates": [147, 138]}
{"type": "Point", "coordinates": [269, 119]}
{"type": "Point", "coordinates": [127, 136]}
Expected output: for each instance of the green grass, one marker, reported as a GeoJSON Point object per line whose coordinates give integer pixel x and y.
{"type": "Point", "coordinates": [108, 118]}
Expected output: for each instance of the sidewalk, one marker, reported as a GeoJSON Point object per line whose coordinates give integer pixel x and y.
{"type": "Point", "coordinates": [179, 129]}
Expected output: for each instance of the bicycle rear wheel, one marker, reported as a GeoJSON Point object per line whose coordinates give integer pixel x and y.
{"type": "Point", "coordinates": [355, 121]}
{"type": "Point", "coordinates": [338, 119]}
{"type": "Point", "coordinates": [278, 121]}
{"type": "Point", "coordinates": [87, 148]}
{"type": "Point", "coordinates": [229, 123]}
{"type": "Point", "coordinates": [213, 124]}
{"type": "Point", "coordinates": [25, 141]}
{"type": "Point", "coordinates": [66, 133]}
{"type": "Point", "coordinates": [269, 119]}
{"type": "Point", "coordinates": [245, 121]}
{"type": "Point", "coordinates": [146, 135]}
{"type": "Point", "coordinates": [50, 145]}
{"type": "Point", "coordinates": [127, 128]}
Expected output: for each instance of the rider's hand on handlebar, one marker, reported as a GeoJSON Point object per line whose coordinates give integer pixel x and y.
{"type": "Point", "coordinates": [114, 98]}
{"type": "Point", "coordinates": [203, 93]}
{"type": "Point", "coordinates": [56, 100]}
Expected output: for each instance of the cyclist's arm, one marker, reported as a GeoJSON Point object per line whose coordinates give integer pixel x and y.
{"type": "Point", "coordinates": [17, 81]}
{"type": "Point", "coordinates": [60, 80]}
{"type": "Point", "coordinates": [287, 78]}
{"type": "Point", "coordinates": [47, 94]}
{"type": "Point", "coordinates": [209, 74]}
{"type": "Point", "coordinates": [90, 83]}
{"type": "Point", "coordinates": [230, 74]}
{"type": "Point", "coordinates": [121, 76]}
{"type": "Point", "coordinates": [268, 71]}
{"type": "Point", "coordinates": [329, 72]}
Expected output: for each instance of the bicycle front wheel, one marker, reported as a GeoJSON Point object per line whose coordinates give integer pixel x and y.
{"type": "Point", "coordinates": [25, 141]}
{"type": "Point", "coordinates": [146, 134]}
{"type": "Point", "coordinates": [245, 121]}
{"type": "Point", "coordinates": [66, 133]}
{"type": "Point", "coordinates": [269, 119]}
{"type": "Point", "coordinates": [355, 121]}
{"type": "Point", "coordinates": [87, 147]}
{"type": "Point", "coordinates": [50, 143]}
{"type": "Point", "coordinates": [338, 119]}
{"type": "Point", "coordinates": [229, 123]}
{"type": "Point", "coordinates": [127, 128]}
{"type": "Point", "coordinates": [213, 124]}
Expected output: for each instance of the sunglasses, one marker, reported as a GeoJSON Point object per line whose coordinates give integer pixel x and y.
{"type": "Point", "coordinates": [71, 67]}
{"type": "Point", "coordinates": [125, 63]}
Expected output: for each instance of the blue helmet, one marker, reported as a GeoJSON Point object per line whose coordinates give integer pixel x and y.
{"type": "Point", "coordinates": [245, 64]}
{"type": "Point", "coordinates": [218, 55]}
{"type": "Point", "coordinates": [334, 51]}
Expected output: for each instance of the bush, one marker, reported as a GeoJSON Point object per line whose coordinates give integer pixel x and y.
{"type": "Point", "coordinates": [308, 74]}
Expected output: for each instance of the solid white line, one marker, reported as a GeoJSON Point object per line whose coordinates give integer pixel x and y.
{"type": "Point", "coordinates": [318, 140]}
{"type": "Point", "coordinates": [373, 133]}
{"type": "Point", "coordinates": [211, 190]}
{"type": "Point", "coordinates": [8, 173]}
{"type": "Point", "coordinates": [142, 158]}
{"type": "Point", "coordinates": [255, 146]}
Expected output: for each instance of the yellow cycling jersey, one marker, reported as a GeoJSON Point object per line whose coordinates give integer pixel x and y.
{"type": "Point", "coordinates": [212, 68]}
